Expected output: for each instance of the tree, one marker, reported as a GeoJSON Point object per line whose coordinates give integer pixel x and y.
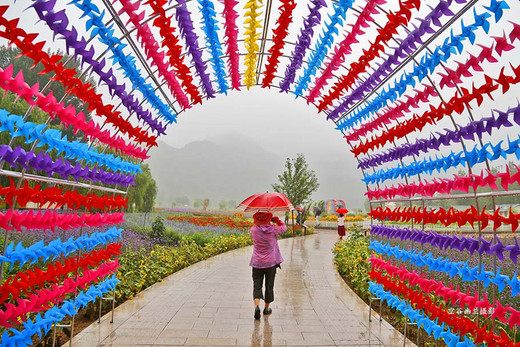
{"type": "Point", "coordinates": [183, 201]}
{"type": "Point", "coordinates": [144, 192]}
{"type": "Point", "coordinates": [18, 106]}
{"type": "Point", "coordinates": [298, 182]}
{"type": "Point", "coordinates": [197, 203]}
{"type": "Point", "coordinates": [11, 56]}
{"type": "Point", "coordinates": [222, 205]}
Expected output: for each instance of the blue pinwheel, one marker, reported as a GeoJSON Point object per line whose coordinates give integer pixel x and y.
{"type": "Point", "coordinates": [497, 7]}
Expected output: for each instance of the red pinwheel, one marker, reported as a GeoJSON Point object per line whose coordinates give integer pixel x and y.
{"type": "Point", "coordinates": [513, 219]}
{"type": "Point", "coordinates": [24, 281]}
{"type": "Point", "coordinates": [394, 284]}
{"type": "Point", "coordinates": [231, 34]}
{"type": "Point", "coordinates": [344, 48]}
{"type": "Point", "coordinates": [266, 202]}
{"type": "Point", "coordinates": [514, 318]}
{"type": "Point", "coordinates": [279, 34]}
{"type": "Point", "coordinates": [401, 17]}
{"type": "Point", "coordinates": [72, 84]}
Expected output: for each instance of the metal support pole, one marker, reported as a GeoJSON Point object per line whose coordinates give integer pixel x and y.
{"type": "Point", "coordinates": [113, 298]}
{"type": "Point", "coordinates": [113, 303]}
{"type": "Point", "coordinates": [56, 326]}
{"type": "Point", "coordinates": [100, 306]}
{"type": "Point", "coordinates": [72, 328]}
{"type": "Point", "coordinates": [370, 308]}
{"type": "Point", "coordinates": [407, 324]}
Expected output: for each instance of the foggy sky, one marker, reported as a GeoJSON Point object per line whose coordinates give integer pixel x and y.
{"type": "Point", "coordinates": [281, 124]}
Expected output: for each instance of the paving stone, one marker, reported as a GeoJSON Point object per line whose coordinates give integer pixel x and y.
{"type": "Point", "coordinates": [210, 341]}
{"type": "Point", "coordinates": [170, 341]}
{"type": "Point", "coordinates": [183, 333]}
{"type": "Point", "coordinates": [210, 303]}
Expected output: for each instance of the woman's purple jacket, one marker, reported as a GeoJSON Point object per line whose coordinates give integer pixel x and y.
{"type": "Point", "coordinates": [265, 245]}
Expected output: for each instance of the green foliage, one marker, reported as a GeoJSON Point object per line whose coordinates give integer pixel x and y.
{"type": "Point", "coordinates": [222, 205]}
{"type": "Point", "coordinates": [141, 269]}
{"type": "Point", "coordinates": [183, 201]}
{"type": "Point", "coordinates": [298, 182]}
{"type": "Point", "coordinates": [305, 213]}
{"type": "Point", "coordinates": [298, 231]}
{"type": "Point", "coordinates": [141, 197]}
{"type": "Point", "coordinates": [201, 239]}
{"type": "Point", "coordinates": [158, 229]}
{"type": "Point", "coordinates": [11, 56]}
{"type": "Point", "coordinates": [351, 259]}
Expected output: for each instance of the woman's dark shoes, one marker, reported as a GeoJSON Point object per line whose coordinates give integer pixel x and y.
{"type": "Point", "coordinates": [257, 312]}
{"type": "Point", "coordinates": [268, 310]}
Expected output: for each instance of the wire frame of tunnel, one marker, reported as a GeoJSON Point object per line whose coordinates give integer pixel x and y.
{"type": "Point", "coordinates": [424, 93]}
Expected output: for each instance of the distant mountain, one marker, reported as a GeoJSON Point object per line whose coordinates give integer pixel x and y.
{"type": "Point", "coordinates": [222, 168]}
{"type": "Point", "coordinates": [233, 166]}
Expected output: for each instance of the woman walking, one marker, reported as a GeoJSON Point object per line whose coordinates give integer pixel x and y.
{"type": "Point", "coordinates": [266, 258]}
{"type": "Point", "coordinates": [341, 226]}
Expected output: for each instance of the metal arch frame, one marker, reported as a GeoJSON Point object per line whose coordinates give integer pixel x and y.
{"type": "Point", "coordinates": [264, 39]}
{"type": "Point", "coordinates": [412, 56]}
{"type": "Point", "coordinates": [127, 35]}
{"type": "Point", "coordinates": [261, 53]}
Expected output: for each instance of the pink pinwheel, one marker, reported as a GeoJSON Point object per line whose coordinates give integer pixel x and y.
{"type": "Point", "coordinates": [502, 45]}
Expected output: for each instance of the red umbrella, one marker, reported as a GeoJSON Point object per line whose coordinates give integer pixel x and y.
{"type": "Point", "coordinates": [266, 202]}
{"type": "Point", "coordinates": [299, 208]}
{"type": "Point", "coordinates": [342, 210]}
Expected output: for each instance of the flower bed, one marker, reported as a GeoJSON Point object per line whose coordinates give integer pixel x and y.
{"type": "Point", "coordinates": [142, 268]}
{"type": "Point", "coordinates": [351, 258]}
{"type": "Point", "coordinates": [209, 220]}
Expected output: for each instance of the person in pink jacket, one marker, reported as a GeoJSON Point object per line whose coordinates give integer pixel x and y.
{"type": "Point", "coordinates": [266, 258]}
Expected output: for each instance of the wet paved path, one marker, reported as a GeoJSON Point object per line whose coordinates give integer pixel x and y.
{"type": "Point", "coordinates": [210, 303]}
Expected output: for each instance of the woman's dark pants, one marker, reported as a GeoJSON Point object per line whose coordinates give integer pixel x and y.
{"type": "Point", "coordinates": [258, 279]}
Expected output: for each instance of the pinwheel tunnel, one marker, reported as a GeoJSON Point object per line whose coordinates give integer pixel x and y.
{"type": "Point", "coordinates": [424, 93]}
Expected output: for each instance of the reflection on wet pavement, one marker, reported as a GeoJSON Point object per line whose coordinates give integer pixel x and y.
{"type": "Point", "coordinates": [210, 303]}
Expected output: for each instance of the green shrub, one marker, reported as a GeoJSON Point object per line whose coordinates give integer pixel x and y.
{"type": "Point", "coordinates": [200, 239]}
{"type": "Point", "coordinates": [141, 269]}
{"type": "Point", "coordinates": [172, 237]}
{"type": "Point", "coordinates": [298, 231]}
{"type": "Point", "coordinates": [351, 259]}
{"type": "Point", "coordinates": [158, 229]}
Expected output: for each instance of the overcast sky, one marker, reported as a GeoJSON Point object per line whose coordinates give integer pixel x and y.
{"type": "Point", "coordinates": [277, 121]}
